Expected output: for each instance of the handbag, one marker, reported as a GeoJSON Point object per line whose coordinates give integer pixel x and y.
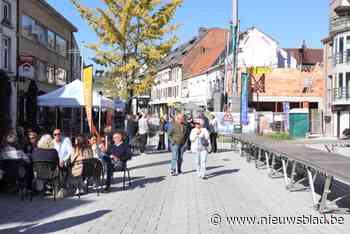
{"type": "Point", "coordinates": [204, 142]}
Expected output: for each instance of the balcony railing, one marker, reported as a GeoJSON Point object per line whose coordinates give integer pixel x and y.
{"type": "Point", "coordinates": [341, 94]}
{"type": "Point", "coordinates": [341, 58]}
{"type": "Point", "coordinates": [340, 24]}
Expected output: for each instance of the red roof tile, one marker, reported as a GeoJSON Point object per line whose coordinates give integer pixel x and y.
{"type": "Point", "coordinates": [205, 53]}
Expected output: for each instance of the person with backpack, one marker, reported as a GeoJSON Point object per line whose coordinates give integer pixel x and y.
{"type": "Point", "coordinates": [200, 143]}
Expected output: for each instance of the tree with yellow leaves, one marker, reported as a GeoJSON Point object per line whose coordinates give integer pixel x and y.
{"type": "Point", "coordinates": [133, 38]}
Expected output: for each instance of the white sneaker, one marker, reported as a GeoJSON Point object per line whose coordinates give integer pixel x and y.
{"type": "Point", "coordinates": [143, 154]}
{"type": "Point", "coordinates": [82, 191]}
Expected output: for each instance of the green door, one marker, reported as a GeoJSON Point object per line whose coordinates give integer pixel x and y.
{"type": "Point", "coordinates": [299, 124]}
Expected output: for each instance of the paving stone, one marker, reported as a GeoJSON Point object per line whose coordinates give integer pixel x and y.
{"type": "Point", "coordinates": [159, 203]}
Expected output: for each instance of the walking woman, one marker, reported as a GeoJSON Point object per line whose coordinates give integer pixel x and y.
{"type": "Point", "coordinates": [200, 143]}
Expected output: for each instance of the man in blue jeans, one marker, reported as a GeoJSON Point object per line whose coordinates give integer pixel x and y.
{"type": "Point", "coordinates": [177, 136]}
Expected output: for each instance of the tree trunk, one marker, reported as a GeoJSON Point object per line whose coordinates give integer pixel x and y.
{"type": "Point", "coordinates": [129, 102]}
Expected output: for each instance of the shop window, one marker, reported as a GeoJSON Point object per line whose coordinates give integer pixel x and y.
{"type": "Point", "coordinates": [51, 40]}
{"type": "Point", "coordinates": [61, 45]}
{"type": "Point", "coordinates": [50, 71]}
{"type": "Point", "coordinates": [41, 71]}
{"type": "Point", "coordinates": [41, 34]}
{"type": "Point", "coordinates": [61, 76]}
{"type": "Point", "coordinates": [28, 26]}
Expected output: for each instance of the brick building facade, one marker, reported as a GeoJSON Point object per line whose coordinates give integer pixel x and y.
{"type": "Point", "coordinates": [45, 61]}
{"type": "Point", "coordinates": [302, 89]}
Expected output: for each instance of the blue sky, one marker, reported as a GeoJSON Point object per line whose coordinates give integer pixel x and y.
{"type": "Point", "coordinates": [288, 21]}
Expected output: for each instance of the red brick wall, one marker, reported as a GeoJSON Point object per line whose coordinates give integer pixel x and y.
{"type": "Point", "coordinates": [290, 83]}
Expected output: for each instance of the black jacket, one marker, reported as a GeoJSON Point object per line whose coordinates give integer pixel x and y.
{"type": "Point", "coordinates": [122, 151]}
{"type": "Point", "coordinates": [45, 155]}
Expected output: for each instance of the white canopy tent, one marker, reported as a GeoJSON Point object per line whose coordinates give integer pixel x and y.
{"type": "Point", "coordinates": [72, 96]}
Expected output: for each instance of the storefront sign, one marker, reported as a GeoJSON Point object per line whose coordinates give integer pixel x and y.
{"type": "Point", "coordinates": [244, 98]}
{"type": "Point", "coordinates": [26, 67]}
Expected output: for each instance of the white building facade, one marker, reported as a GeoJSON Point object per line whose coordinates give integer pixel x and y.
{"type": "Point", "coordinates": [338, 72]}
{"type": "Point", "coordinates": [8, 32]}
{"type": "Point", "coordinates": [167, 88]}
{"type": "Point", "coordinates": [8, 48]}
{"type": "Point", "coordinates": [257, 49]}
{"type": "Point", "coordinates": [200, 89]}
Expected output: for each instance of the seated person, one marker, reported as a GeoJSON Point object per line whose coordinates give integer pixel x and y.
{"type": "Point", "coordinates": [10, 151]}
{"type": "Point", "coordinates": [45, 150]}
{"type": "Point", "coordinates": [16, 158]}
{"type": "Point", "coordinates": [99, 151]}
{"type": "Point", "coordinates": [118, 152]}
{"type": "Point", "coordinates": [64, 147]}
{"type": "Point", "coordinates": [81, 151]}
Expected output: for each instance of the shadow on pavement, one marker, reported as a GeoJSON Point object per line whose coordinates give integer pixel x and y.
{"type": "Point", "coordinates": [150, 165]}
{"type": "Point", "coordinates": [56, 225]}
{"type": "Point", "coordinates": [13, 210]}
{"type": "Point", "coordinates": [224, 150]}
{"type": "Point", "coordinates": [208, 168]}
{"type": "Point", "coordinates": [223, 172]}
{"type": "Point", "coordinates": [119, 178]}
{"type": "Point", "coordinates": [140, 183]}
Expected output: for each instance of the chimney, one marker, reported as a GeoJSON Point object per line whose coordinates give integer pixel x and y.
{"type": "Point", "coordinates": [202, 31]}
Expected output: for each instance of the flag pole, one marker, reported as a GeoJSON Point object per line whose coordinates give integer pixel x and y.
{"type": "Point", "coordinates": [235, 102]}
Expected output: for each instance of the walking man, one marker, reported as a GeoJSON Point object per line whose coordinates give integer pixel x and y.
{"type": "Point", "coordinates": [213, 130]}
{"type": "Point", "coordinates": [143, 131]}
{"type": "Point", "coordinates": [177, 136]}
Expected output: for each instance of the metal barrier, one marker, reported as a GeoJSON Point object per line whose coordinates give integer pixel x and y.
{"type": "Point", "coordinates": [298, 166]}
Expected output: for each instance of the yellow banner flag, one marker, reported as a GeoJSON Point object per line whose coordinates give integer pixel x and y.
{"type": "Point", "coordinates": [87, 81]}
{"type": "Point", "coordinates": [259, 70]}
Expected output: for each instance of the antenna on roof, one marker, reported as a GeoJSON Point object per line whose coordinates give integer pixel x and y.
{"type": "Point", "coordinates": [303, 46]}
